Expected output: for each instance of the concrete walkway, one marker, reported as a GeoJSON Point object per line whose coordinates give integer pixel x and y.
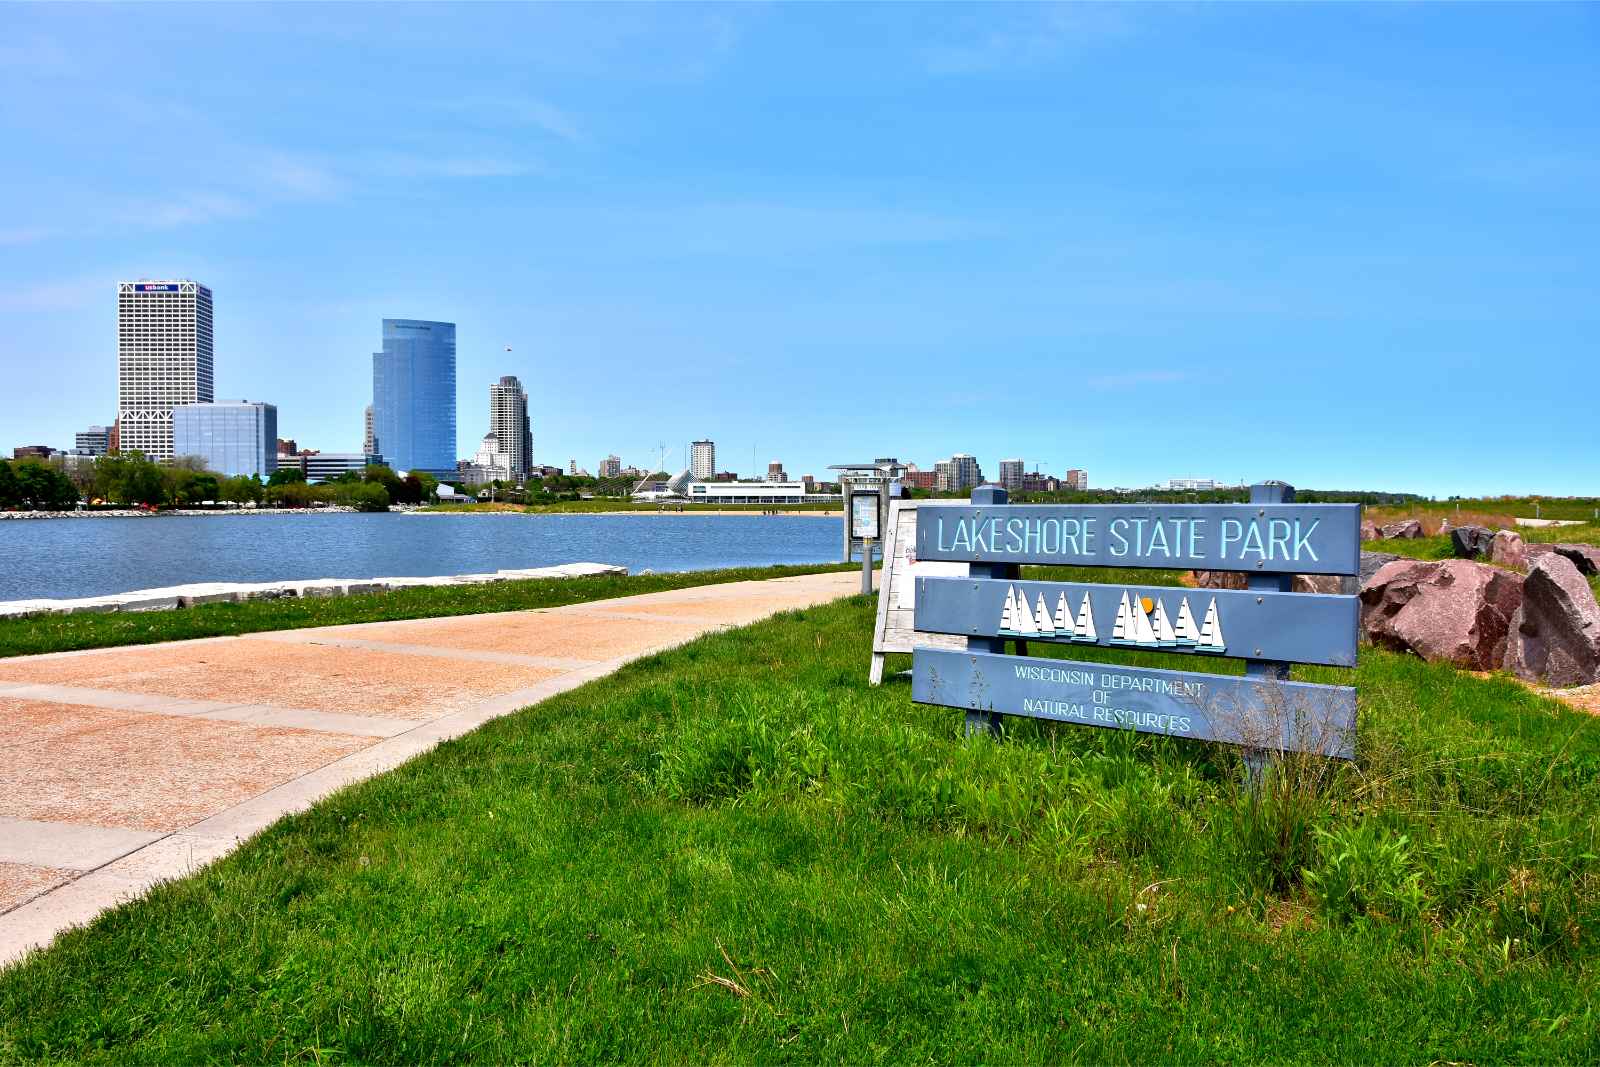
{"type": "Point", "coordinates": [127, 766]}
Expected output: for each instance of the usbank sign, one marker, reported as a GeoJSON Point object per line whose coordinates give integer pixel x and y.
{"type": "Point", "coordinates": [1270, 539]}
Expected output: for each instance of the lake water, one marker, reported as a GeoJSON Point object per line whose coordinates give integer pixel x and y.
{"type": "Point", "coordinates": [94, 557]}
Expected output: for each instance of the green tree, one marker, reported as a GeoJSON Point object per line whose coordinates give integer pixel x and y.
{"type": "Point", "coordinates": [289, 495]}
{"type": "Point", "coordinates": [242, 490]}
{"type": "Point", "coordinates": [186, 486]}
{"type": "Point", "coordinates": [10, 493]}
{"type": "Point", "coordinates": [129, 478]}
{"type": "Point", "coordinates": [287, 476]}
{"type": "Point", "coordinates": [363, 496]}
{"type": "Point", "coordinates": [40, 486]}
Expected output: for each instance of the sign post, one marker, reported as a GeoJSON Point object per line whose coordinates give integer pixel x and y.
{"type": "Point", "coordinates": [1266, 625]}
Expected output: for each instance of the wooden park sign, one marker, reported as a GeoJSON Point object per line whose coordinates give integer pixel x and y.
{"type": "Point", "coordinates": [1266, 625]}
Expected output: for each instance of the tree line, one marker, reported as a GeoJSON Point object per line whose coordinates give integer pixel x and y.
{"type": "Point", "coordinates": [131, 479]}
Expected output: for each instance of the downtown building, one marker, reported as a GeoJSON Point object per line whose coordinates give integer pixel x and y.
{"type": "Point", "coordinates": [414, 396]}
{"type": "Point", "coordinates": [1011, 473]}
{"type": "Point", "coordinates": [232, 436]}
{"type": "Point", "coordinates": [164, 359]}
{"type": "Point", "coordinates": [703, 460]}
{"type": "Point", "coordinates": [508, 422]}
{"type": "Point", "coordinates": [957, 474]}
{"type": "Point", "coordinates": [95, 441]}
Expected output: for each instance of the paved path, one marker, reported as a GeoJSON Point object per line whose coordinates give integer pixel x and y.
{"type": "Point", "coordinates": [122, 767]}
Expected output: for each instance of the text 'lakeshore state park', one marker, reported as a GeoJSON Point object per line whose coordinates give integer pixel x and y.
{"type": "Point", "coordinates": [1303, 538]}
{"type": "Point", "coordinates": [1267, 626]}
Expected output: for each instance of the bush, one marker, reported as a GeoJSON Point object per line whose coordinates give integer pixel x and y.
{"type": "Point", "coordinates": [1365, 872]}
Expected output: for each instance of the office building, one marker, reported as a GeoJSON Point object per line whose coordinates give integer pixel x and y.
{"type": "Point", "coordinates": [163, 360]}
{"type": "Point", "coordinates": [919, 480]}
{"type": "Point", "coordinates": [957, 474]}
{"type": "Point", "coordinates": [231, 436]}
{"type": "Point", "coordinates": [414, 396]}
{"type": "Point", "coordinates": [369, 441]}
{"type": "Point", "coordinates": [491, 464]}
{"type": "Point", "coordinates": [762, 492]}
{"type": "Point", "coordinates": [1034, 482]}
{"type": "Point", "coordinates": [508, 420]}
{"type": "Point", "coordinates": [32, 452]}
{"type": "Point", "coordinates": [95, 441]}
{"type": "Point", "coordinates": [1011, 474]}
{"type": "Point", "coordinates": [326, 466]}
{"type": "Point", "coordinates": [611, 467]}
{"type": "Point", "coordinates": [703, 459]}
{"type": "Point", "coordinates": [1077, 480]}
{"type": "Point", "coordinates": [775, 472]}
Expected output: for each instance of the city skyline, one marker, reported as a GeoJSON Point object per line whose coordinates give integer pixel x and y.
{"type": "Point", "coordinates": [1327, 229]}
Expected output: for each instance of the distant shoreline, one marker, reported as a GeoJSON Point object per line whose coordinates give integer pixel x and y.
{"type": "Point", "coordinates": [134, 513]}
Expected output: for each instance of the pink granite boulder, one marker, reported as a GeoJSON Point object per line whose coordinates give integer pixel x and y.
{"type": "Point", "coordinates": [1404, 528]}
{"type": "Point", "coordinates": [1555, 634]}
{"type": "Point", "coordinates": [1452, 610]}
{"type": "Point", "coordinates": [1220, 579]}
{"type": "Point", "coordinates": [1507, 550]}
{"type": "Point", "coordinates": [1370, 531]}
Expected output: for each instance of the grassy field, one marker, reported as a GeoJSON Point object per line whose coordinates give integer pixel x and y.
{"type": "Point", "coordinates": [61, 633]}
{"type": "Point", "coordinates": [739, 852]}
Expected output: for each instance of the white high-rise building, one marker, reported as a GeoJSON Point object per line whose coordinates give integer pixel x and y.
{"type": "Point", "coordinates": [163, 359]}
{"type": "Point", "coordinates": [1011, 473]}
{"type": "Point", "coordinates": [508, 421]}
{"type": "Point", "coordinates": [703, 460]}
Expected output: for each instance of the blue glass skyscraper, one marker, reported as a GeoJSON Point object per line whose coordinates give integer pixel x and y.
{"type": "Point", "coordinates": [414, 396]}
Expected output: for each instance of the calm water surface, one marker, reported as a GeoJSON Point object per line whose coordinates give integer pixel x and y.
{"type": "Point", "coordinates": [93, 557]}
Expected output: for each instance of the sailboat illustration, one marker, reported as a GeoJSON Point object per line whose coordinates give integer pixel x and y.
{"type": "Point", "coordinates": [1142, 632]}
{"type": "Point", "coordinates": [1063, 619]}
{"type": "Point", "coordinates": [1165, 637]}
{"type": "Point", "coordinates": [1185, 631]}
{"type": "Point", "coordinates": [1211, 632]}
{"type": "Point", "coordinates": [1008, 617]}
{"type": "Point", "coordinates": [1041, 619]}
{"type": "Point", "coordinates": [1122, 632]}
{"type": "Point", "coordinates": [1084, 630]}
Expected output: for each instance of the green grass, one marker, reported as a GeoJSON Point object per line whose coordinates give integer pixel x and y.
{"type": "Point", "coordinates": [61, 633]}
{"type": "Point", "coordinates": [607, 505]}
{"type": "Point", "coordinates": [739, 852]}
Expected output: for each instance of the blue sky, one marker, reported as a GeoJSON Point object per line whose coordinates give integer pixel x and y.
{"type": "Point", "coordinates": [1343, 245]}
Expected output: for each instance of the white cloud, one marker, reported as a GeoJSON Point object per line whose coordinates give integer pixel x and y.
{"type": "Point", "coordinates": [520, 111]}
{"type": "Point", "coordinates": [405, 165]}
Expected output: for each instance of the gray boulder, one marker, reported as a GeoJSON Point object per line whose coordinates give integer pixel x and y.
{"type": "Point", "coordinates": [1452, 610]}
{"type": "Point", "coordinates": [1408, 528]}
{"type": "Point", "coordinates": [1555, 634]}
{"type": "Point", "coordinates": [1471, 542]}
